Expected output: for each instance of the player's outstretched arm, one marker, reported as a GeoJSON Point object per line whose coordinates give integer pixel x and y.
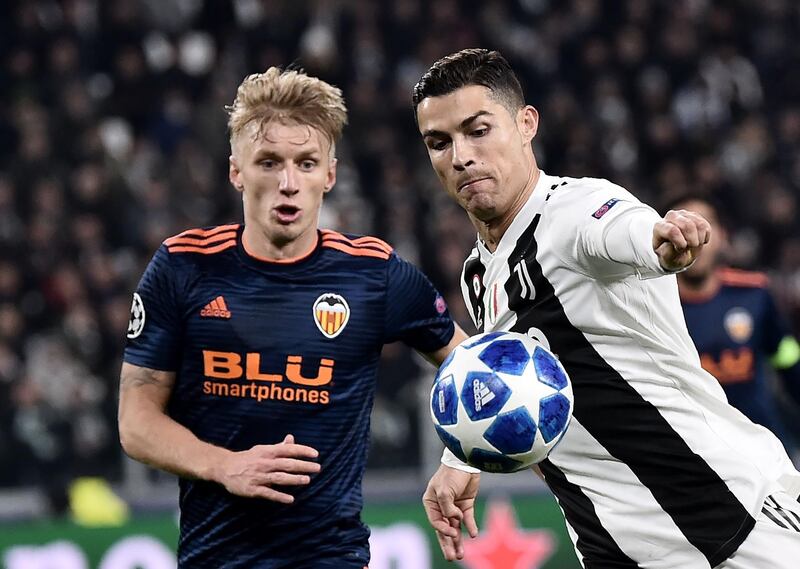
{"type": "Point", "coordinates": [449, 502]}
{"type": "Point", "coordinates": [679, 237]}
{"type": "Point", "coordinates": [149, 435]}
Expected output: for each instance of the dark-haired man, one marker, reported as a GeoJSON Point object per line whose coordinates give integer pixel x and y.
{"type": "Point", "coordinates": [738, 329]}
{"type": "Point", "coordinates": [656, 470]}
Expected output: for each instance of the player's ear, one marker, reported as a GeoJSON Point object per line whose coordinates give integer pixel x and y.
{"type": "Point", "coordinates": [330, 179]}
{"type": "Point", "coordinates": [528, 122]}
{"type": "Point", "coordinates": [234, 174]}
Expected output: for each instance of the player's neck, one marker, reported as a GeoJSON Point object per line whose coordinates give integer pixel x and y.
{"type": "Point", "coordinates": [492, 232]}
{"type": "Point", "coordinates": [698, 287]}
{"type": "Point", "coordinates": [257, 244]}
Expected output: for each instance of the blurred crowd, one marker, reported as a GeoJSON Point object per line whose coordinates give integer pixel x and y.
{"type": "Point", "coordinates": [113, 137]}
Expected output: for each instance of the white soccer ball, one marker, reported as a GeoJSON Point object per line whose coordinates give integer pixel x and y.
{"type": "Point", "coordinates": [501, 401]}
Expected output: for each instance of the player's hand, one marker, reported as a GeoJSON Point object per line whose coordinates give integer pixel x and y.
{"type": "Point", "coordinates": [449, 502]}
{"type": "Point", "coordinates": [254, 473]}
{"type": "Point", "coordinates": [679, 238]}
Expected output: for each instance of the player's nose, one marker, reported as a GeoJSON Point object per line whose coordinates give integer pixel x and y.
{"type": "Point", "coordinates": [290, 180]}
{"type": "Point", "coordinates": [461, 156]}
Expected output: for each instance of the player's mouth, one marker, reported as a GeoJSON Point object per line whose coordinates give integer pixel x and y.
{"type": "Point", "coordinates": [287, 213]}
{"type": "Point", "coordinates": [469, 184]}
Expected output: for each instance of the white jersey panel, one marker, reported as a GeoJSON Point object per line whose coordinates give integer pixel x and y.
{"type": "Point", "coordinates": [656, 544]}
{"type": "Point", "coordinates": [656, 447]}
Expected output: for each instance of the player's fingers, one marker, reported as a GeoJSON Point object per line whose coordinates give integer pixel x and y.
{"type": "Point", "coordinates": [703, 227]}
{"type": "Point", "coordinates": [675, 236]}
{"type": "Point", "coordinates": [458, 544]}
{"type": "Point", "coordinates": [469, 522]}
{"type": "Point", "coordinates": [448, 506]}
{"type": "Point", "coordinates": [293, 465]}
{"type": "Point", "coordinates": [446, 545]}
{"type": "Point", "coordinates": [288, 439]}
{"type": "Point", "coordinates": [437, 521]}
{"type": "Point", "coordinates": [666, 232]}
{"type": "Point", "coordinates": [688, 226]}
{"type": "Point", "coordinates": [272, 495]}
{"type": "Point", "coordinates": [444, 527]}
{"type": "Point", "coordinates": [286, 479]}
{"type": "Point", "coordinates": [291, 450]}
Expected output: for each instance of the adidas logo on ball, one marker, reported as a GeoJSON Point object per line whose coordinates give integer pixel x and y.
{"type": "Point", "coordinates": [483, 394]}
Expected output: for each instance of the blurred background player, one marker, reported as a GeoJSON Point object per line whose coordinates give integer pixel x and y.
{"type": "Point", "coordinates": [645, 475]}
{"type": "Point", "coordinates": [740, 333]}
{"type": "Point", "coordinates": [246, 338]}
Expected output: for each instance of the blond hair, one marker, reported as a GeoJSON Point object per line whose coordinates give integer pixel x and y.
{"type": "Point", "coordinates": [287, 95]}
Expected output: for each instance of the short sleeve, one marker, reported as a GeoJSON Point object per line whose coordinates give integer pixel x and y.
{"type": "Point", "coordinates": [416, 313]}
{"type": "Point", "coordinates": [155, 326]}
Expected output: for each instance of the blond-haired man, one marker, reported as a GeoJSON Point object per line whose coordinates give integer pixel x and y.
{"type": "Point", "coordinates": [252, 353]}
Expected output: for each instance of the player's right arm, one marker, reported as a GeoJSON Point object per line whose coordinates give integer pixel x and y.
{"type": "Point", "coordinates": [606, 232]}
{"type": "Point", "coordinates": [150, 436]}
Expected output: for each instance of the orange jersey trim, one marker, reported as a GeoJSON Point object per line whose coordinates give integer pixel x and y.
{"type": "Point", "coordinates": [200, 242]}
{"type": "Point", "coordinates": [202, 250]}
{"type": "Point", "coordinates": [204, 233]}
{"type": "Point", "coordinates": [366, 240]}
{"type": "Point", "coordinates": [735, 277]}
{"type": "Point", "coordinates": [373, 241]}
{"type": "Point", "coordinates": [355, 251]}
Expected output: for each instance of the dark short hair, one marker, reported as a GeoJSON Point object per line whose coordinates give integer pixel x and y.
{"type": "Point", "coordinates": [472, 66]}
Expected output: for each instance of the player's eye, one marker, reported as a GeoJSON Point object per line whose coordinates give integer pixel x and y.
{"type": "Point", "coordinates": [478, 132]}
{"type": "Point", "coordinates": [437, 144]}
{"type": "Point", "coordinates": [308, 164]}
{"type": "Point", "coordinates": [268, 164]}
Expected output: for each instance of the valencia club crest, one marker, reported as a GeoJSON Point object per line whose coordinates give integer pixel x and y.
{"type": "Point", "coordinates": [331, 314]}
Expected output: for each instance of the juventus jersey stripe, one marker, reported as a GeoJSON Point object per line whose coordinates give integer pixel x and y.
{"type": "Point", "coordinates": [656, 469]}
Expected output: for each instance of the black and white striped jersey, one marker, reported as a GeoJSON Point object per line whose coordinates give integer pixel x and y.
{"type": "Point", "coordinates": [656, 470]}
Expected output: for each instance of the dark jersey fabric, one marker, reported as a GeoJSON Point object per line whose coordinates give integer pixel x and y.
{"type": "Point", "coordinates": [736, 331]}
{"type": "Point", "coordinates": [262, 349]}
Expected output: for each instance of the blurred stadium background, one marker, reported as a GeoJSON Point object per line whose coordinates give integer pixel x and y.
{"type": "Point", "coordinates": [112, 137]}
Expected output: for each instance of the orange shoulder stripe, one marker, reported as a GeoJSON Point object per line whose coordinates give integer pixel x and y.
{"type": "Point", "coordinates": [362, 247]}
{"type": "Point", "coordinates": [204, 250]}
{"type": "Point", "coordinates": [366, 241]}
{"type": "Point", "coordinates": [355, 251]}
{"type": "Point", "coordinates": [369, 240]}
{"type": "Point", "coordinates": [737, 277]}
{"type": "Point", "coordinates": [178, 240]}
{"type": "Point", "coordinates": [204, 233]}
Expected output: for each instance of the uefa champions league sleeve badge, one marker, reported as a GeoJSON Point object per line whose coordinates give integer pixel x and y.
{"type": "Point", "coordinates": [136, 322]}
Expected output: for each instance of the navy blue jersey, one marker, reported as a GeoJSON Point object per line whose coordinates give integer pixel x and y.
{"type": "Point", "coordinates": [262, 349]}
{"type": "Point", "coordinates": [737, 330]}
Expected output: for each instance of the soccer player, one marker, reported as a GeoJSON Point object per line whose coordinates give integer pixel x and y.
{"type": "Point", "coordinates": [252, 354]}
{"type": "Point", "coordinates": [656, 470]}
{"type": "Point", "coordinates": [737, 328]}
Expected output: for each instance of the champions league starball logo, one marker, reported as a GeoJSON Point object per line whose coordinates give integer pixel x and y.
{"type": "Point", "coordinates": [136, 323]}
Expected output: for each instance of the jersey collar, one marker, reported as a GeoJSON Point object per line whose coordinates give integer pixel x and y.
{"type": "Point", "coordinates": [521, 221]}
{"type": "Point", "coordinates": [275, 264]}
